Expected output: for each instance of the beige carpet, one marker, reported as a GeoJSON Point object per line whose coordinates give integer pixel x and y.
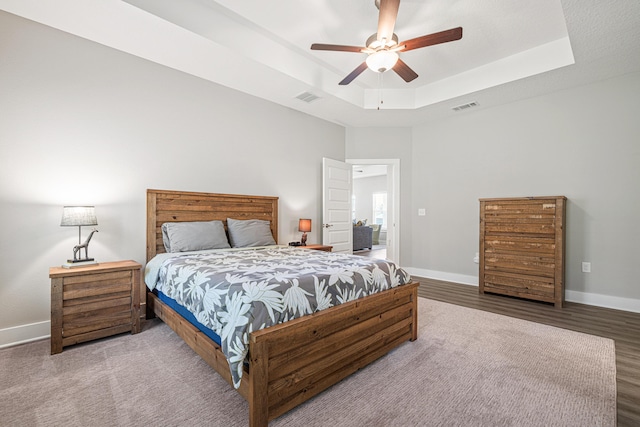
{"type": "Point", "coordinates": [468, 368]}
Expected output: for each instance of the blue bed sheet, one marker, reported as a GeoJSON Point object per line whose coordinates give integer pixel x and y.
{"type": "Point", "coordinates": [189, 317]}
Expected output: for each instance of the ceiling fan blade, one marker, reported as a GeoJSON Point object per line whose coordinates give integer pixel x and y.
{"type": "Point", "coordinates": [336, 47]}
{"type": "Point", "coordinates": [432, 39]}
{"type": "Point", "coordinates": [404, 71]}
{"type": "Point", "coordinates": [355, 73]}
{"type": "Point", "coordinates": [387, 18]}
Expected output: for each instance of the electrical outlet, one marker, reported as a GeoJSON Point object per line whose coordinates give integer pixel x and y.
{"type": "Point", "coordinates": [476, 258]}
{"type": "Point", "coordinates": [422, 212]}
{"type": "Point", "coordinates": [586, 267]}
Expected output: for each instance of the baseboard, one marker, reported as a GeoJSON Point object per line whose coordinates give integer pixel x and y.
{"type": "Point", "coordinates": [606, 301]}
{"type": "Point", "coordinates": [24, 333]}
{"type": "Point", "coordinates": [443, 275]}
{"type": "Point", "coordinates": [41, 330]}
{"type": "Point", "coordinates": [35, 331]}
{"type": "Point", "coordinates": [599, 300]}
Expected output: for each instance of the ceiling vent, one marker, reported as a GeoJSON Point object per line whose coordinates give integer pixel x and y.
{"type": "Point", "coordinates": [465, 106]}
{"type": "Point", "coordinates": [307, 97]}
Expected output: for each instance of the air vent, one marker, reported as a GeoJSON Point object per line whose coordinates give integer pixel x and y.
{"type": "Point", "coordinates": [465, 106]}
{"type": "Point", "coordinates": [307, 97]}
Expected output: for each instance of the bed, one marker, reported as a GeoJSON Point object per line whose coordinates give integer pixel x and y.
{"type": "Point", "coordinates": [288, 362]}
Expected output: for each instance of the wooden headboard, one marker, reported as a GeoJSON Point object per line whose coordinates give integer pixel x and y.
{"type": "Point", "coordinates": [179, 206]}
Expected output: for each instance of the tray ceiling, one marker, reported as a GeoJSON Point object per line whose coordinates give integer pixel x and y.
{"type": "Point", "coordinates": [509, 50]}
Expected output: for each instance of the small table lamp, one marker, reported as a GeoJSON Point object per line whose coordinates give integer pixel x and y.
{"type": "Point", "coordinates": [79, 216]}
{"type": "Point", "coordinates": [305, 226]}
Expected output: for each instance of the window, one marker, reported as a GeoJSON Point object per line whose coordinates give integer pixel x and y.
{"type": "Point", "coordinates": [380, 209]}
{"type": "Point", "coordinates": [353, 208]}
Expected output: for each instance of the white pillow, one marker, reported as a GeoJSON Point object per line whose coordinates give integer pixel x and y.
{"type": "Point", "coordinates": [194, 236]}
{"type": "Point", "coordinates": [250, 232]}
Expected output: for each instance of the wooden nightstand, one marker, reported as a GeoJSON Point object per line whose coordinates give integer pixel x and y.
{"type": "Point", "coordinates": [317, 247]}
{"type": "Point", "coordinates": [94, 302]}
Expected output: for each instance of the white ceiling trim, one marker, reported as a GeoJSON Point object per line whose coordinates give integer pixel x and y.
{"type": "Point", "coordinates": [124, 27]}
{"type": "Point", "coordinates": [129, 29]}
{"type": "Point", "coordinates": [170, 44]}
{"type": "Point", "coordinates": [540, 59]}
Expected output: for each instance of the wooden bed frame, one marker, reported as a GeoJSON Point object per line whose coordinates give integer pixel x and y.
{"type": "Point", "coordinates": [293, 361]}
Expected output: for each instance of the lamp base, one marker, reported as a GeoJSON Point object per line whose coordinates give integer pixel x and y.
{"type": "Point", "coordinates": [73, 263]}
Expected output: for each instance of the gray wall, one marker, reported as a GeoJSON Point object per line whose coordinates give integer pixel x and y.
{"type": "Point", "coordinates": [581, 143]}
{"type": "Point", "coordinates": [81, 123]}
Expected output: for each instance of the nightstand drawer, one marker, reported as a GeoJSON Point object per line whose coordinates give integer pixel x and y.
{"type": "Point", "coordinates": [80, 323]}
{"type": "Point", "coordinates": [103, 284]}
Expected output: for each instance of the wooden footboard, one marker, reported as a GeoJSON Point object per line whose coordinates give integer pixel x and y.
{"type": "Point", "coordinates": [293, 361]}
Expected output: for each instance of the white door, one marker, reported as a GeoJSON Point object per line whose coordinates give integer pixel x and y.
{"type": "Point", "coordinates": [337, 227]}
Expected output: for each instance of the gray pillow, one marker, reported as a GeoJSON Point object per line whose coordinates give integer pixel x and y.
{"type": "Point", "coordinates": [194, 236]}
{"type": "Point", "coordinates": [250, 232]}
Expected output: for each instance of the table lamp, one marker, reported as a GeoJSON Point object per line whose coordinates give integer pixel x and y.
{"type": "Point", "coordinates": [79, 216]}
{"type": "Point", "coordinates": [304, 225]}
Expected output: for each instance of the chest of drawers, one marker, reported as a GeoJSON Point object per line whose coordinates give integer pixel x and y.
{"type": "Point", "coordinates": [522, 246]}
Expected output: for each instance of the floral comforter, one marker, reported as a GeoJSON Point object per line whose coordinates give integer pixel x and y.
{"type": "Point", "coordinates": [237, 292]}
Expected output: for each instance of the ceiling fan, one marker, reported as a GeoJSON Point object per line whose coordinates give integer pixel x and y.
{"type": "Point", "coordinates": [383, 47]}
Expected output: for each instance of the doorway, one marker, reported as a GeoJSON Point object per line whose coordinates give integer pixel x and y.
{"type": "Point", "coordinates": [375, 198]}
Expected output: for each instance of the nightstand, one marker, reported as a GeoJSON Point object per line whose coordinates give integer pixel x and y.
{"type": "Point", "coordinates": [317, 247]}
{"type": "Point", "coordinates": [93, 302]}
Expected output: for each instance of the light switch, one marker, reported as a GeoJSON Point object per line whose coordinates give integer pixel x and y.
{"type": "Point", "coordinates": [422, 212]}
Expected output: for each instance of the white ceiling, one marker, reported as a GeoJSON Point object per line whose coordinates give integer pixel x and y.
{"type": "Point", "coordinates": [510, 50]}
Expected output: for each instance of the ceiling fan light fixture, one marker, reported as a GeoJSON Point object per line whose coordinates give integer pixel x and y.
{"type": "Point", "coordinates": [375, 44]}
{"type": "Point", "coordinates": [382, 60]}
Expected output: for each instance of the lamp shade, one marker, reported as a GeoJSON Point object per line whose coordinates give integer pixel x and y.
{"type": "Point", "coordinates": [382, 60]}
{"type": "Point", "coordinates": [304, 225]}
{"type": "Point", "coordinates": [78, 216]}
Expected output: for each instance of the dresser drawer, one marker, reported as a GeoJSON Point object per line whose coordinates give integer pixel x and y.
{"type": "Point", "coordinates": [521, 285]}
{"type": "Point", "coordinates": [534, 264]}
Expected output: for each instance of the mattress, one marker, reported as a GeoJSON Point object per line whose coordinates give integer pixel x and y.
{"type": "Point", "coordinates": [189, 317]}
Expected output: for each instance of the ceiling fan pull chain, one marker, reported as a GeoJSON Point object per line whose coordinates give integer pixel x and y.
{"type": "Point", "coordinates": [380, 101]}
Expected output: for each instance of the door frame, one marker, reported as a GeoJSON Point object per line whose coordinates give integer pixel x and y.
{"type": "Point", "coordinates": [393, 195]}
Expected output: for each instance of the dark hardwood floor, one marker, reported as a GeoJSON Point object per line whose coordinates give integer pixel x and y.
{"type": "Point", "coordinates": [621, 326]}
{"type": "Point", "coordinates": [377, 251]}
